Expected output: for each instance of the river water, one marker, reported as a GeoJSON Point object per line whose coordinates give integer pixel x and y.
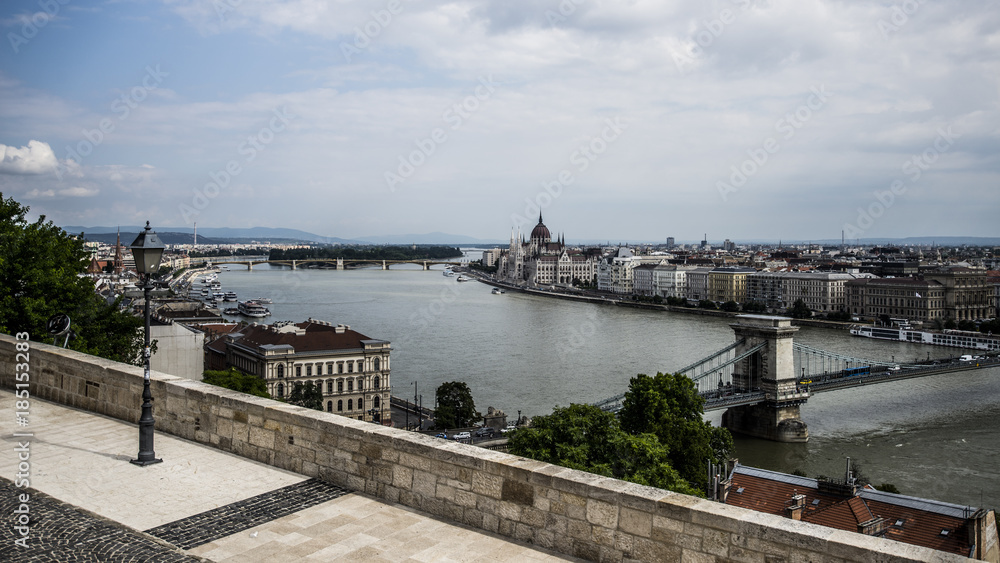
{"type": "Point", "coordinates": [935, 437]}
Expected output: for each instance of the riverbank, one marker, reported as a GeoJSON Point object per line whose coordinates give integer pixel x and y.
{"type": "Point", "coordinates": [622, 302]}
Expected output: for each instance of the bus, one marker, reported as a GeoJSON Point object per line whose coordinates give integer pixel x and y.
{"type": "Point", "coordinates": [851, 372]}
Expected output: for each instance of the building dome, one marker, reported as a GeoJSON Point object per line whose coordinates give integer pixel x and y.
{"type": "Point", "coordinates": [541, 231]}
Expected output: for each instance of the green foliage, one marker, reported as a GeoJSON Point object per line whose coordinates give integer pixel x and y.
{"type": "Point", "coordinates": [950, 323]}
{"type": "Point", "coordinates": [990, 327]}
{"type": "Point", "coordinates": [799, 310]}
{"type": "Point", "coordinates": [800, 473]}
{"type": "Point", "coordinates": [586, 438]}
{"type": "Point", "coordinates": [730, 306]}
{"type": "Point", "coordinates": [888, 488]}
{"type": "Point", "coordinates": [754, 307]}
{"type": "Point", "coordinates": [306, 395]}
{"type": "Point", "coordinates": [677, 302]}
{"type": "Point", "coordinates": [455, 407]}
{"type": "Point", "coordinates": [40, 273]}
{"type": "Point", "coordinates": [707, 304]}
{"type": "Point", "coordinates": [842, 316]}
{"type": "Point", "coordinates": [966, 325]}
{"type": "Point", "coordinates": [236, 380]}
{"type": "Point", "coordinates": [669, 406]}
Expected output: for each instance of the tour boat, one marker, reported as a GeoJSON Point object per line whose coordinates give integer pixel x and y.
{"type": "Point", "coordinates": [497, 291]}
{"type": "Point", "coordinates": [264, 300]}
{"type": "Point", "coordinates": [252, 309]}
{"type": "Point", "coordinates": [952, 338]}
{"type": "Point", "coordinates": [229, 296]}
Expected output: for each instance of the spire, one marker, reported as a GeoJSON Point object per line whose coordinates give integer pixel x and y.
{"type": "Point", "coordinates": [539, 217]}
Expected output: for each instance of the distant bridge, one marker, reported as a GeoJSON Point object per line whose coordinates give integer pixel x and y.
{"type": "Point", "coordinates": [342, 263]}
{"type": "Point", "coordinates": [763, 377]}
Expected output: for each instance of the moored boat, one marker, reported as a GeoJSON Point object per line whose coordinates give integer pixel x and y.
{"type": "Point", "coordinates": [951, 338]}
{"type": "Point", "coordinates": [252, 309]}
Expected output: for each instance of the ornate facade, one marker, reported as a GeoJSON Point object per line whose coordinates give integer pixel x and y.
{"type": "Point", "coordinates": [540, 261]}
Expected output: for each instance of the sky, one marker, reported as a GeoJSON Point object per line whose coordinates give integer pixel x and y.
{"type": "Point", "coordinates": [630, 119]}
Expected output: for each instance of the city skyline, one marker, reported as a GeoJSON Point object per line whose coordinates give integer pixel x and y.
{"type": "Point", "coordinates": [762, 120]}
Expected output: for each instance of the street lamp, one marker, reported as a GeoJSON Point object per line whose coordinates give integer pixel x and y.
{"type": "Point", "coordinates": [146, 250]}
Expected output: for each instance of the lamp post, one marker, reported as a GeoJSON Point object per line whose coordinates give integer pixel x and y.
{"type": "Point", "coordinates": [146, 250]}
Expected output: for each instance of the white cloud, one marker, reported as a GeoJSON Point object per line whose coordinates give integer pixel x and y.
{"type": "Point", "coordinates": [36, 158]}
{"type": "Point", "coordinates": [79, 191]}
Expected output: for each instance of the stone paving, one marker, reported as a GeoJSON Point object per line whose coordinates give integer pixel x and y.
{"type": "Point", "coordinates": [93, 504]}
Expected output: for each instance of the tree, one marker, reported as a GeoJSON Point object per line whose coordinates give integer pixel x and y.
{"type": "Point", "coordinates": [707, 304]}
{"type": "Point", "coordinates": [306, 395]}
{"type": "Point", "coordinates": [730, 306]}
{"type": "Point", "coordinates": [236, 380]}
{"type": "Point", "coordinates": [669, 406]}
{"type": "Point", "coordinates": [799, 310]}
{"type": "Point", "coordinates": [887, 488]}
{"type": "Point", "coordinates": [754, 307]}
{"type": "Point", "coordinates": [455, 407]}
{"type": "Point", "coordinates": [586, 438]}
{"type": "Point", "coordinates": [41, 269]}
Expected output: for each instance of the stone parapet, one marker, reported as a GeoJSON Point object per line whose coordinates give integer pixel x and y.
{"type": "Point", "coordinates": [569, 511]}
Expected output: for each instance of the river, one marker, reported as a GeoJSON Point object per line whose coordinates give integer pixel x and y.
{"type": "Point", "coordinates": [935, 437]}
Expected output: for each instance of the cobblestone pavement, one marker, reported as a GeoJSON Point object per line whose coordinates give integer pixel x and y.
{"type": "Point", "coordinates": [62, 533]}
{"type": "Point", "coordinates": [245, 514]}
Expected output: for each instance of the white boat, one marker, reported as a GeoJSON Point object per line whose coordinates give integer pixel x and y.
{"type": "Point", "coordinates": [252, 309]}
{"type": "Point", "coordinates": [497, 291]}
{"type": "Point", "coordinates": [218, 296]}
{"type": "Point", "coordinates": [205, 291]}
{"type": "Point", "coordinates": [463, 279]}
{"type": "Point", "coordinates": [264, 300]}
{"type": "Point", "coordinates": [951, 338]}
{"type": "Point", "coordinates": [447, 273]}
{"type": "Point", "coordinates": [229, 296]}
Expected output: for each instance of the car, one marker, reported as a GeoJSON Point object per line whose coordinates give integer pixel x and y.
{"type": "Point", "coordinates": [441, 435]}
{"type": "Point", "coordinates": [484, 432]}
{"type": "Point", "coordinates": [462, 436]}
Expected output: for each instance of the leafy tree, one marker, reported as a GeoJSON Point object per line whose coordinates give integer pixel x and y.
{"type": "Point", "coordinates": [842, 316]}
{"type": "Point", "coordinates": [887, 488]}
{"type": "Point", "coordinates": [799, 310]}
{"type": "Point", "coordinates": [966, 325]}
{"type": "Point", "coordinates": [730, 306]}
{"type": "Point", "coordinates": [669, 406]}
{"type": "Point", "coordinates": [949, 323]}
{"type": "Point", "coordinates": [707, 304]}
{"type": "Point", "coordinates": [306, 395]}
{"type": "Point", "coordinates": [236, 380]}
{"type": "Point", "coordinates": [586, 438]}
{"type": "Point", "coordinates": [41, 269]}
{"type": "Point", "coordinates": [990, 327]}
{"type": "Point", "coordinates": [754, 307]}
{"type": "Point", "coordinates": [455, 407]}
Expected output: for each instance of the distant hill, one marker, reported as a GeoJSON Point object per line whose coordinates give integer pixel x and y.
{"type": "Point", "coordinates": [428, 238]}
{"type": "Point", "coordinates": [211, 235]}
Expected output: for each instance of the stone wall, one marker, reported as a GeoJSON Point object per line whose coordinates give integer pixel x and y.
{"type": "Point", "coordinates": [569, 511]}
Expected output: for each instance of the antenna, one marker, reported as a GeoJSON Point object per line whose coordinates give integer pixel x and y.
{"type": "Point", "coordinates": [196, 234]}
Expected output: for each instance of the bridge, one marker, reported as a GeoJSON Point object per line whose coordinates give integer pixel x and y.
{"type": "Point", "coordinates": [764, 377]}
{"type": "Point", "coordinates": [341, 263]}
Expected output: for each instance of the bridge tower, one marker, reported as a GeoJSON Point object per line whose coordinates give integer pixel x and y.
{"type": "Point", "coordinates": [384, 267]}
{"type": "Point", "coordinates": [340, 263]}
{"type": "Point", "coordinates": [772, 369]}
{"type": "Point", "coordinates": [294, 267]}
{"type": "Point", "coordinates": [249, 265]}
{"type": "Point", "coordinates": [426, 267]}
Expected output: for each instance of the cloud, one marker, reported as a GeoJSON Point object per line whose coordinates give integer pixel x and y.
{"type": "Point", "coordinates": [36, 158]}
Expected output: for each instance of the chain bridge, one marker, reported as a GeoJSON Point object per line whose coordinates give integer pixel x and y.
{"type": "Point", "coordinates": [763, 377]}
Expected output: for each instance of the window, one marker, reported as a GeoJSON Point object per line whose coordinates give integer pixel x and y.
{"type": "Point", "coordinates": [281, 390]}
{"type": "Point", "coordinates": [350, 367]}
{"type": "Point", "coordinates": [329, 406]}
{"type": "Point", "coordinates": [279, 370]}
{"type": "Point", "coordinates": [309, 370]}
{"type": "Point", "coordinates": [350, 385]}
{"type": "Point", "coordinates": [340, 367]}
{"type": "Point", "coordinates": [298, 371]}
{"type": "Point", "coordinates": [361, 384]}
{"type": "Point", "coordinates": [329, 386]}
{"type": "Point", "coordinates": [350, 404]}
{"type": "Point", "coordinates": [375, 382]}
{"type": "Point", "coordinates": [375, 402]}
{"type": "Point", "coordinates": [329, 369]}
{"type": "Point", "coordinates": [361, 366]}
{"type": "Point", "coordinates": [361, 404]}
{"type": "Point", "coordinates": [375, 364]}
{"type": "Point", "coordinates": [340, 386]}
{"type": "Point", "coordinates": [340, 406]}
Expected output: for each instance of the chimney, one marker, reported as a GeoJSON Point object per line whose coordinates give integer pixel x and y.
{"type": "Point", "coordinates": [798, 504]}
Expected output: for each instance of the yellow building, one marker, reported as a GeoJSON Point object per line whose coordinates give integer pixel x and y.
{"type": "Point", "coordinates": [728, 283]}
